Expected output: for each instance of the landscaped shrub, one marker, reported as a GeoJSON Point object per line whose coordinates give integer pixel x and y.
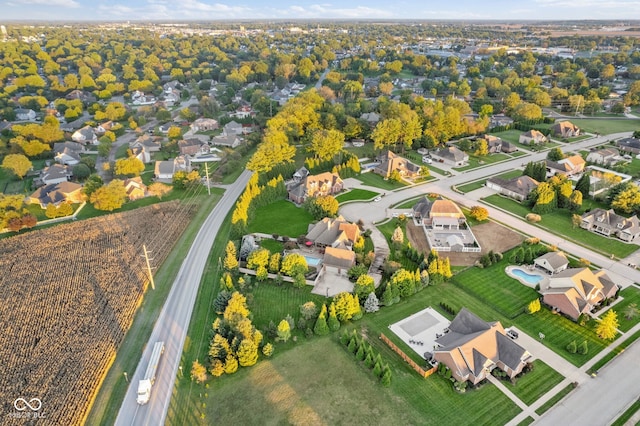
{"type": "Point", "coordinates": [360, 354]}
{"type": "Point", "coordinates": [534, 306]}
{"type": "Point", "coordinates": [534, 218]}
{"type": "Point", "coordinates": [572, 347]}
{"type": "Point", "coordinates": [583, 349]}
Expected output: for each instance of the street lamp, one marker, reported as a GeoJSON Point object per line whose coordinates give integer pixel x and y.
{"type": "Point", "coordinates": [180, 367]}
{"type": "Point", "coordinates": [125, 377]}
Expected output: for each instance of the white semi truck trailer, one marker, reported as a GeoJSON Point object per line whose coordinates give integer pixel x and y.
{"type": "Point", "coordinates": [146, 383]}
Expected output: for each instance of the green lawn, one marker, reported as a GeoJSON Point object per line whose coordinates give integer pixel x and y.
{"type": "Point", "coordinates": [493, 286]}
{"type": "Point", "coordinates": [475, 161]}
{"type": "Point", "coordinates": [526, 421]}
{"type": "Point", "coordinates": [378, 181]}
{"type": "Point", "coordinates": [605, 127]}
{"type": "Point", "coordinates": [559, 332]}
{"type": "Point", "coordinates": [559, 222]}
{"type": "Point", "coordinates": [407, 204]}
{"type": "Point", "coordinates": [535, 383]}
{"type": "Point", "coordinates": [615, 352]}
{"type": "Point", "coordinates": [356, 194]}
{"type": "Point", "coordinates": [468, 187]}
{"type": "Point", "coordinates": [365, 151]}
{"type": "Point", "coordinates": [630, 295]}
{"type": "Point", "coordinates": [553, 401]}
{"type": "Point", "coordinates": [282, 218]}
{"type": "Point", "coordinates": [289, 389]}
{"type": "Point", "coordinates": [513, 136]}
{"type": "Point", "coordinates": [272, 245]}
{"type": "Point", "coordinates": [121, 152]}
{"type": "Point", "coordinates": [273, 303]}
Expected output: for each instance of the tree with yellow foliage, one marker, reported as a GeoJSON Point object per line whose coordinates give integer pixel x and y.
{"type": "Point", "coordinates": [607, 327]}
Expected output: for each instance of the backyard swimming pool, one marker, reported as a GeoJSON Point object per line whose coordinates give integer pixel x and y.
{"type": "Point", "coordinates": [312, 261]}
{"type": "Point", "coordinates": [530, 278]}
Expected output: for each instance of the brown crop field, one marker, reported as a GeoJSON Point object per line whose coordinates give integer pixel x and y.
{"type": "Point", "coordinates": [68, 295]}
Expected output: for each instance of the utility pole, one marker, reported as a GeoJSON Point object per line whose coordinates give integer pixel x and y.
{"type": "Point", "coordinates": [146, 257]}
{"type": "Point", "coordinates": [206, 169]}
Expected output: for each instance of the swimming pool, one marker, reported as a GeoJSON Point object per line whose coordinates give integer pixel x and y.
{"type": "Point", "coordinates": [531, 279]}
{"type": "Point", "coordinates": [312, 261]}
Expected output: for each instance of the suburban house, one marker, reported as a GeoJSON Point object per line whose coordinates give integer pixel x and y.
{"type": "Point", "coordinates": [5, 125]}
{"type": "Point", "coordinates": [193, 147]}
{"type": "Point", "coordinates": [517, 188]}
{"type": "Point", "coordinates": [339, 259]}
{"type": "Point", "coordinates": [230, 141]}
{"type": "Point", "coordinates": [337, 233]}
{"type": "Point", "coordinates": [164, 128]}
{"type": "Point", "coordinates": [67, 153]}
{"type": "Point", "coordinates": [24, 114]}
{"type": "Point", "coordinates": [314, 186]}
{"type": "Point", "coordinates": [81, 95]}
{"type": "Point", "coordinates": [104, 127]}
{"type": "Point", "coordinates": [388, 162]}
{"type": "Point", "coordinates": [629, 145]}
{"type": "Point", "coordinates": [139, 98]}
{"type": "Point", "coordinates": [532, 137]}
{"type": "Point", "coordinates": [244, 111]}
{"type": "Point", "coordinates": [300, 174]}
{"type": "Point", "coordinates": [204, 125]}
{"type": "Point", "coordinates": [500, 120]}
{"type": "Point", "coordinates": [451, 155]}
{"type": "Point", "coordinates": [473, 347]}
{"type": "Point", "coordinates": [139, 152]}
{"type": "Point", "coordinates": [607, 156]}
{"type": "Point", "coordinates": [567, 166]}
{"type": "Point", "coordinates": [164, 170]}
{"type": "Point", "coordinates": [135, 188]}
{"type": "Point", "coordinates": [55, 173]}
{"type": "Point", "coordinates": [607, 222]}
{"type": "Point", "coordinates": [565, 129]}
{"type": "Point", "coordinates": [85, 135]}
{"type": "Point", "coordinates": [552, 262]}
{"type": "Point", "coordinates": [150, 143]}
{"type": "Point", "coordinates": [576, 291]}
{"type": "Point", "coordinates": [56, 193]}
{"type": "Point", "coordinates": [233, 128]}
{"type": "Point", "coordinates": [439, 214]}
{"type": "Point", "coordinates": [358, 142]}
{"type": "Point", "coordinates": [496, 144]}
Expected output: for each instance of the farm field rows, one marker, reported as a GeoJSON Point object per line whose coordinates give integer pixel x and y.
{"type": "Point", "coordinates": [69, 295]}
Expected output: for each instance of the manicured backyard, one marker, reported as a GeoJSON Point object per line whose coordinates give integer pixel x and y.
{"type": "Point", "coordinates": [606, 127]}
{"type": "Point", "coordinates": [378, 181]}
{"type": "Point", "coordinates": [630, 295]}
{"type": "Point", "coordinates": [471, 186]}
{"type": "Point", "coordinates": [356, 194]}
{"type": "Point", "coordinates": [559, 222]}
{"type": "Point", "coordinates": [476, 161]}
{"type": "Point", "coordinates": [269, 219]}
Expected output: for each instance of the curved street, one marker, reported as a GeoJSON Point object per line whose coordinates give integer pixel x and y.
{"type": "Point", "coordinates": [173, 322]}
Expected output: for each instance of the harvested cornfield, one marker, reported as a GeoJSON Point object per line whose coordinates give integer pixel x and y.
{"type": "Point", "coordinates": [68, 295]}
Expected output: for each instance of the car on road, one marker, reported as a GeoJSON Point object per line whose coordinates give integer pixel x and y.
{"type": "Point", "coordinates": [377, 199]}
{"type": "Point", "coordinates": [396, 214]}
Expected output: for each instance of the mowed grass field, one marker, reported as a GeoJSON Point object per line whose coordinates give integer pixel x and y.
{"type": "Point", "coordinates": [282, 218]}
{"type": "Point", "coordinates": [493, 286]}
{"type": "Point", "coordinates": [378, 181]}
{"type": "Point", "coordinates": [319, 382]}
{"type": "Point", "coordinates": [356, 194]}
{"type": "Point", "coordinates": [531, 386]}
{"type": "Point", "coordinates": [606, 127]}
{"type": "Point", "coordinates": [630, 295]}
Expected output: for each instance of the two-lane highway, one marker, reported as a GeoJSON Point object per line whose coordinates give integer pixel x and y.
{"type": "Point", "coordinates": [173, 322]}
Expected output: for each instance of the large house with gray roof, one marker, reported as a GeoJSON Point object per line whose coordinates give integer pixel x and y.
{"type": "Point", "coordinates": [609, 223]}
{"type": "Point", "coordinates": [451, 155]}
{"type": "Point", "coordinates": [517, 188]}
{"type": "Point", "coordinates": [314, 186]}
{"type": "Point", "coordinates": [472, 348]}
{"type": "Point", "coordinates": [629, 145]}
{"type": "Point", "coordinates": [390, 162]}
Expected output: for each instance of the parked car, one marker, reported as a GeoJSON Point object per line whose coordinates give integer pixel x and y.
{"type": "Point", "coordinates": [513, 334]}
{"type": "Point", "coordinates": [377, 199]}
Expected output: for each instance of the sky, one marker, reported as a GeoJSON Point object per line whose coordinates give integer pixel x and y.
{"type": "Point", "coordinates": [176, 10]}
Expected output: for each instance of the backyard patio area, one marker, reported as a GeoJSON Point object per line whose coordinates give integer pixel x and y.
{"type": "Point", "coordinates": [420, 330]}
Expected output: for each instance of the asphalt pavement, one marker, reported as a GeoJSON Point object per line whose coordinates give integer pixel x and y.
{"type": "Point", "coordinates": [173, 322]}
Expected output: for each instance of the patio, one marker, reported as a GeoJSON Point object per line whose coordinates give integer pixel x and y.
{"type": "Point", "coordinates": [420, 330]}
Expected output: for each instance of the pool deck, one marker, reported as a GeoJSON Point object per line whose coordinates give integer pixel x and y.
{"type": "Point", "coordinates": [529, 270]}
{"type": "Point", "coordinates": [420, 330]}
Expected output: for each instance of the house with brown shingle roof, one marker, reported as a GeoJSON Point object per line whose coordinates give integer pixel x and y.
{"type": "Point", "coordinates": [472, 348]}
{"type": "Point", "coordinates": [517, 188]}
{"type": "Point", "coordinates": [532, 137]}
{"type": "Point", "coordinates": [314, 186]}
{"type": "Point", "coordinates": [451, 155]}
{"type": "Point", "coordinates": [576, 291]}
{"type": "Point", "coordinates": [57, 193]}
{"type": "Point", "coordinates": [335, 232]}
{"type": "Point", "coordinates": [439, 214]}
{"type": "Point", "coordinates": [390, 162]}
{"type": "Point", "coordinates": [135, 188]}
{"type": "Point", "coordinates": [567, 166]}
{"type": "Point", "coordinates": [606, 156]}
{"type": "Point", "coordinates": [609, 223]}
{"type": "Point", "coordinates": [193, 146]}
{"type": "Point", "coordinates": [565, 129]}
{"type": "Point", "coordinates": [338, 258]}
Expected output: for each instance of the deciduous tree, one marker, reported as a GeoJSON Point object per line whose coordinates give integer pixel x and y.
{"type": "Point", "coordinates": [131, 166]}
{"type": "Point", "coordinates": [284, 331]}
{"type": "Point", "coordinates": [247, 353]}
{"type": "Point", "coordinates": [17, 164]}
{"type": "Point", "coordinates": [198, 372]}
{"type": "Point", "coordinates": [109, 197]}
{"type": "Point", "coordinates": [479, 213]}
{"type": "Point", "coordinates": [231, 257]}
{"type": "Point", "coordinates": [159, 189]}
{"type": "Point", "coordinates": [326, 143]}
{"type": "Point", "coordinates": [607, 326]}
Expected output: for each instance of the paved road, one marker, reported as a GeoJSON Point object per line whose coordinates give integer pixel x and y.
{"type": "Point", "coordinates": [600, 400]}
{"type": "Point", "coordinates": [173, 322]}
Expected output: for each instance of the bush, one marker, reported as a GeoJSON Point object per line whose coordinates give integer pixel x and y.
{"type": "Point", "coordinates": [534, 218]}
{"type": "Point", "coordinates": [583, 349]}
{"type": "Point", "coordinates": [572, 347]}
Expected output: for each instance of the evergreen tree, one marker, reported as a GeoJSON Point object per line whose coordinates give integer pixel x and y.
{"type": "Point", "coordinates": [572, 347]}
{"type": "Point", "coordinates": [221, 300]}
{"type": "Point", "coordinates": [387, 296]}
{"type": "Point", "coordinates": [231, 257]}
{"type": "Point", "coordinates": [247, 353]}
{"type": "Point", "coordinates": [583, 185]}
{"type": "Point", "coordinates": [371, 304]}
{"type": "Point", "coordinates": [344, 338]}
{"type": "Point", "coordinates": [333, 322]}
{"type": "Point", "coordinates": [377, 370]}
{"type": "Point", "coordinates": [353, 345]}
{"type": "Point", "coordinates": [583, 349]}
{"type": "Point", "coordinates": [386, 378]}
{"type": "Point", "coordinates": [284, 331]}
{"type": "Point", "coordinates": [321, 328]}
{"type": "Point", "coordinates": [368, 361]}
{"type": "Point", "coordinates": [360, 354]}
